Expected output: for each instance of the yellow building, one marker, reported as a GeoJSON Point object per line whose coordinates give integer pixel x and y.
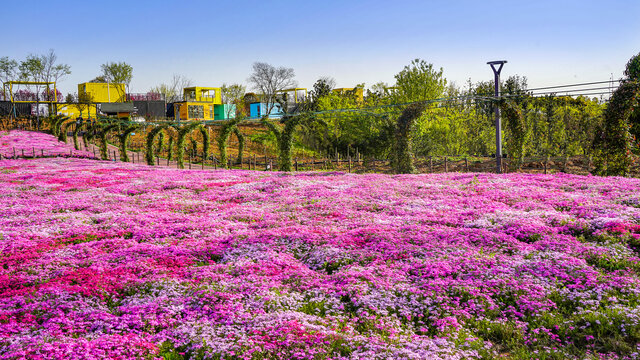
{"type": "Point", "coordinates": [103, 92]}
{"type": "Point", "coordinates": [199, 103]}
{"type": "Point", "coordinates": [359, 92]}
{"type": "Point", "coordinates": [73, 111]}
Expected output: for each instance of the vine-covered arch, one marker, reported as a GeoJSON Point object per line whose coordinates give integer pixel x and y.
{"type": "Point", "coordinates": [182, 135]}
{"type": "Point", "coordinates": [517, 131]}
{"type": "Point", "coordinates": [151, 136]}
{"type": "Point", "coordinates": [123, 137]}
{"type": "Point", "coordinates": [229, 127]}
{"type": "Point", "coordinates": [402, 157]}
{"type": "Point", "coordinates": [102, 135]}
{"type": "Point", "coordinates": [206, 141]}
{"type": "Point", "coordinates": [63, 129]}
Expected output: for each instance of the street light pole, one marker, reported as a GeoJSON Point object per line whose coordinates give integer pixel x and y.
{"type": "Point", "coordinates": [496, 75]}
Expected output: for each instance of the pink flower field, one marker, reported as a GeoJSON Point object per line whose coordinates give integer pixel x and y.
{"type": "Point", "coordinates": [120, 261]}
{"type": "Point", "coordinates": [29, 142]}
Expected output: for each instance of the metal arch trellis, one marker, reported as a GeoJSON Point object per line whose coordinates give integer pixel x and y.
{"type": "Point", "coordinates": [7, 87]}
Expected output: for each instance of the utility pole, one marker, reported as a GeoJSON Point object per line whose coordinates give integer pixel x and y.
{"type": "Point", "coordinates": [496, 76]}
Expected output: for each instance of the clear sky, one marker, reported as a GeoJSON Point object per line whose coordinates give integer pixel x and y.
{"type": "Point", "coordinates": [215, 42]}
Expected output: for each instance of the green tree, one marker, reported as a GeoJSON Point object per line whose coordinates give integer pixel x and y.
{"type": "Point", "coordinates": [117, 73]}
{"type": "Point", "coordinates": [8, 69]}
{"type": "Point", "coordinates": [233, 94]}
{"type": "Point", "coordinates": [632, 73]}
{"type": "Point", "coordinates": [419, 81]}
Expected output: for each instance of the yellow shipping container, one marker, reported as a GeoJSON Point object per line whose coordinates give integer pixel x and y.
{"type": "Point", "coordinates": [188, 110]}
{"type": "Point", "coordinates": [103, 92]}
{"type": "Point", "coordinates": [198, 103]}
{"type": "Point", "coordinates": [73, 112]}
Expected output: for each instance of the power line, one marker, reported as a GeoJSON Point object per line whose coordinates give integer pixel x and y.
{"type": "Point", "coordinates": [573, 85]}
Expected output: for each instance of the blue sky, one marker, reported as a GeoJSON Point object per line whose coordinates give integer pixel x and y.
{"type": "Point", "coordinates": [215, 42]}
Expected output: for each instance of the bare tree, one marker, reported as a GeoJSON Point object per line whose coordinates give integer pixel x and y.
{"type": "Point", "coordinates": [173, 91]}
{"type": "Point", "coordinates": [269, 80]}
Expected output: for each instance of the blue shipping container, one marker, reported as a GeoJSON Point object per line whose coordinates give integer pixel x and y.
{"type": "Point", "coordinates": [258, 110]}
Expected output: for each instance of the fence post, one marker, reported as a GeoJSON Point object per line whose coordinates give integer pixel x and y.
{"type": "Point", "coordinates": [215, 163]}
{"type": "Point", "coordinates": [34, 152]}
{"type": "Point", "coordinates": [42, 153]}
{"type": "Point", "coordinates": [296, 164]}
{"type": "Point", "coordinates": [14, 152]}
{"type": "Point", "coordinates": [349, 156]}
{"type": "Point", "coordinates": [466, 164]}
{"type": "Point", "coordinates": [271, 164]}
{"type": "Point", "coordinates": [202, 167]}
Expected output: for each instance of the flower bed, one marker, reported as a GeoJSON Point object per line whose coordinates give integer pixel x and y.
{"type": "Point", "coordinates": [116, 260]}
{"type": "Point", "coordinates": [29, 143]}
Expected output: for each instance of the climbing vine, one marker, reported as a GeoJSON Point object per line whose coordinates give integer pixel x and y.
{"type": "Point", "coordinates": [102, 135]}
{"type": "Point", "coordinates": [150, 138]}
{"type": "Point", "coordinates": [240, 137]}
{"type": "Point", "coordinates": [62, 132]}
{"type": "Point", "coordinates": [76, 130]}
{"type": "Point", "coordinates": [206, 141]}
{"type": "Point", "coordinates": [123, 137]}
{"type": "Point", "coordinates": [170, 148]}
{"type": "Point", "coordinates": [182, 135]}
{"type": "Point", "coordinates": [284, 137]}
{"type": "Point", "coordinates": [516, 130]}
{"type": "Point", "coordinates": [223, 140]}
{"type": "Point", "coordinates": [402, 156]}
{"type": "Point", "coordinates": [160, 144]}
{"type": "Point", "coordinates": [614, 144]}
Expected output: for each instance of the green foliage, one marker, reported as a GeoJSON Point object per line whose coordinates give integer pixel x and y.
{"type": "Point", "coordinates": [103, 130]}
{"type": "Point", "coordinates": [77, 129]}
{"type": "Point", "coordinates": [8, 69]}
{"type": "Point", "coordinates": [63, 131]}
{"type": "Point", "coordinates": [370, 131]}
{"type": "Point", "coordinates": [160, 144]}
{"type": "Point", "coordinates": [632, 70]}
{"type": "Point", "coordinates": [151, 135]}
{"type": "Point", "coordinates": [182, 135]}
{"type": "Point", "coordinates": [614, 143]}
{"type": "Point", "coordinates": [223, 140]}
{"type": "Point", "coordinates": [54, 123]}
{"type": "Point", "coordinates": [285, 137]}
{"type": "Point", "coordinates": [206, 141]}
{"type": "Point", "coordinates": [170, 149]}
{"type": "Point", "coordinates": [402, 159]}
{"type": "Point", "coordinates": [516, 131]}
{"type": "Point", "coordinates": [240, 137]}
{"type": "Point", "coordinates": [419, 81]}
{"type": "Point", "coordinates": [123, 137]}
{"type": "Point", "coordinates": [117, 72]}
